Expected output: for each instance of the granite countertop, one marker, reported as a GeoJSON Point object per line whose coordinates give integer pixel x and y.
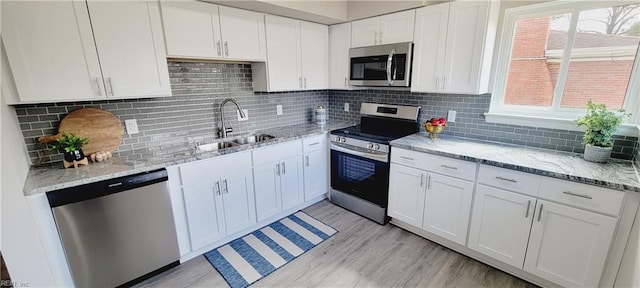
{"type": "Point", "coordinates": [616, 174]}
{"type": "Point", "coordinates": [50, 178]}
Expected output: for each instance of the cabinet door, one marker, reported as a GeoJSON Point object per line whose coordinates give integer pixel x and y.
{"type": "Point", "coordinates": [314, 55]}
{"type": "Point", "coordinates": [339, 44]}
{"type": "Point", "coordinates": [191, 29]}
{"type": "Point", "coordinates": [365, 32]}
{"type": "Point", "coordinates": [50, 48]}
{"type": "Point", "coordinates": [406, 194]}
{"type": "Point", "coordinates": [205, 214]}
{"type": "Point", "coordinates": [397, 27]}
{"type": "Point", "coordinates": [267, 190]}
{"type": "Point", "coordinates": [283, 59]}
{"type": "Point", "coordinates": [568, 246]}
{"type": "Point", "coordinates": [238, 199]}
{"type": "Point", "coordinates": [243, 34]}
{"type": "Point", "coordinates": [429, 48]}
{"type": "Point", "coordinates": [500, 224]}
{"type": "Point", "coordinates": [291, 179]}
{"type": "Point", "coordinates": [465, 44]}
{"type": "Point", "coordinates": [315, 174]}
{"type": "Point", "coordinates": [131, 49]}
{"type": "Point", "coordinates": [447, 207]}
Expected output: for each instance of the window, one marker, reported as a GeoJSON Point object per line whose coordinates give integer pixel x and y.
{"type": "Point", "coordinates": [556, 56]}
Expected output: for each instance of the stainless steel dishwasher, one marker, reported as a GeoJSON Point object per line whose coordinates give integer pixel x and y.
{"type": "Point", "coordinates": [118, 231]}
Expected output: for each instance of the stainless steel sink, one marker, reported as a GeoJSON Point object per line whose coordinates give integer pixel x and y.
{"type": "Point", "coordinates": [216, 146]}
{"type": "Point", "coordinates": [252, 139]}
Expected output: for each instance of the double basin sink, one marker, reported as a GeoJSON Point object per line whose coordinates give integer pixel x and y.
{"type": "Point", "coordinates": [234, 142]}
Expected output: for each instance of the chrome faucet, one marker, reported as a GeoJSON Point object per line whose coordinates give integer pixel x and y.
{"type": "Point", "coordinates": [224, 129]}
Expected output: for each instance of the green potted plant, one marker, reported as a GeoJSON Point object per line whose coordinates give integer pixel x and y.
{"type": "Point", "coordinates": [600, 124]}
{"type": "Point", "coordinates": [70, 145]}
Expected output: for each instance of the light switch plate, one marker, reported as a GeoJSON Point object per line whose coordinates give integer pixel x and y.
{"type": "Point", "coordinates": [346, 107]}
{"type": "Point", "coordinates": [246, 115]}
{"type": "Point", "coordinates": [278, 109]}
{"type": "Point", "coordinates": [451, 116]}
{"type": "Point", "coordinates": [132, 126]}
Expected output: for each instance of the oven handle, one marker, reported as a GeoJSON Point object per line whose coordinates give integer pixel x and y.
{"type": "Point", "coordinates": [389, 64]}
{"type": "Point", "coordinates": [373, 156]}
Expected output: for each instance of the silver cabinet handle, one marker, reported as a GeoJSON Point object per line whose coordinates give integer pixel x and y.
{"type": "Point", "coordinates": [421, 180]}
{"type": "Point", "coordinates": [380, 38]}
{"type": "Point", "coordinates": [406, 158]}
{"type": "Point", "coordinates": [449, 167]}
{"type": "Point", "coordinates": [219, 49]}
{"type": "Point", "coordinates": [218, 187]}
{"type": "Point", "coordinates": [345, 82]}
{"type": "Point", "coordinates": [375, 37]}
{"type": "Point", "coordinates": [578, 195]}
{"type": "Point", "coordinates": [226, 187]}
{"type": "Point", "coordinates": [306, 160]}
{"type": "Point", "coordinates": [305, 82]}
{"type": "Point", "coordinates": [526, 215]}
{"type": "Point", "coordinates": [284, 169]}
{"type": "Point", "coordinates": [429, 182]}
{"type": "Point", "coordinates": [314, 143]}
{"type": "Point", "coordinates": [540, 212]}
{"type": "Point", "coordinates": [226, 48]}
{"type": "Point", "coordinates": [300, 79]}
{"type": "Point", "coordinates": [278, 169]}
{"type": "Point", "coordinates": [97, 81]}
{"type": "Point", "coordinates": [110, 84]}
{"type": "Point", "coordinates": [506, 179]}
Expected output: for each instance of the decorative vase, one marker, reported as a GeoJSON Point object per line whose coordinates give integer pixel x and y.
{"type": "Point", "coordinates": [75, 155]}
{"type": "Point", "coordinates": [596, 153]}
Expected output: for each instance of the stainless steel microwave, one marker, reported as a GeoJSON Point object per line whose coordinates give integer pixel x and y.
{"type": "Point", "coordinates": [381, 65]}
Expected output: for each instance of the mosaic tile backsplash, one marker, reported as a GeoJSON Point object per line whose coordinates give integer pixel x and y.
{"type": "Point", "coordinates": [470, 121]}
{"type": "Point", "coordinates": [189, 116]}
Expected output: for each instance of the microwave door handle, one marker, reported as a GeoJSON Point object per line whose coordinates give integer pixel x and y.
{"type": "Point", "coordinates": [389, 64]}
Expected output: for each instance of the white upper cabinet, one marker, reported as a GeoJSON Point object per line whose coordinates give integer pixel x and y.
{"type": "Point", "coordinates": [131, 50]}
{"type": "Point", "coordinates": [243, 34]}
{"type": "Point", "coordinates": [207, 31]}
{"type": "Point", "coordinates": [339, 45]}
{"type": "Point", "coordinates": [391, 28]}
{"type": "Point", "coordinates": [297, 56]}
{"type": "Point", "coordinates": [51, 51]}
{"type": "Point", "coordinates": [60, 63]}
{"type": "Point", "coordinates": [458, 61]}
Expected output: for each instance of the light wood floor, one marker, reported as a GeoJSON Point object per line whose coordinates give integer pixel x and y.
{"type": "Point", "coordinates": [362, 253]}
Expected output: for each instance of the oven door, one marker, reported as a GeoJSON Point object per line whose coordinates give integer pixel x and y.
{"type": "Point", "coordinates": [361, 174]}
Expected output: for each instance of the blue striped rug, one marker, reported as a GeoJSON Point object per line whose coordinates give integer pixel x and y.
{"type": "Point", "coordinates": [248, 259]}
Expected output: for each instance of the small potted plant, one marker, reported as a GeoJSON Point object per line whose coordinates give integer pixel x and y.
{"type": "Point", "coordinates": [600, 124]}
{"type": "Point", "coordinates": [71, 146]}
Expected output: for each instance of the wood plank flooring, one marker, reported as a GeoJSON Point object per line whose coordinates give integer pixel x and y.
{"type": "Point", "coordinates": [362, 253]}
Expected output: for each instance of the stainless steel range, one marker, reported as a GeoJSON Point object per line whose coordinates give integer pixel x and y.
{"type": "Point", "coordinates": [360, 158]}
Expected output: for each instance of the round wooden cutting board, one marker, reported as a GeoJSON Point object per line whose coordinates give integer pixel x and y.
{"type": "Point", "coordinates": [102, 128]}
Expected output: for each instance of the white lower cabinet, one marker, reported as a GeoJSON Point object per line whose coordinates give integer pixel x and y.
{"type": "Point", "coordinates": [316, 167]}
{"type": "Point", "coordinates": [500, 224]}
{"type": "Point", "coordinates": [406, 194]}
{"type": "Point", "coordinates": [568, 246]}
{"type": "Point", "coordinates": [205, 215]}
{"type": "Point", "coordinates": [236, 189]}
{"type": "Point", "coordinates": [447, 207]}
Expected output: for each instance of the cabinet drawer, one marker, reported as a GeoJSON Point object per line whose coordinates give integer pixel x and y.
{"type": "Point", "coordinates": [209, 168]}
{"type": "Point", "coordinates": [509, 179]}
{"type": "Point", "coordinates": [276, 152]}
{"type": "Point", "coordinates": [439, 164]}
{"type": "Point", "coordinates": [589, 197]}
{"type": "Point", "coordinates": [314, 143]}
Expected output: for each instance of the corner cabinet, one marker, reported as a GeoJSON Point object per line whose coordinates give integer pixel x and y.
{"type": "Point", "coordinates": [339, 45]}
{"type": "Point", "coordinates": [96, 64]}
{"type": "Point", "coordinates": [207, 31]}
{"type": "Point", "coordinates": [454, 47]}
{"type": "Point", "coordinates": [297, 56]}
{"type": "Point", "coordinates": [385, 29]}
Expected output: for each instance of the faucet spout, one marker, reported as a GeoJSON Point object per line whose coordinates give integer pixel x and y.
{"type": "Point", "coordinates": [224, 129]}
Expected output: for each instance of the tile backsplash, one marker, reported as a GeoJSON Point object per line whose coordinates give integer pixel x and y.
{"type": "Point", "coordinates": [470, 121]}
{"type": "Point", "coordinates": [189, 116]}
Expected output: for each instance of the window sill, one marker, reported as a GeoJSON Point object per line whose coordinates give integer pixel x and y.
{"type": "Point", "coordinates": [551, 123]}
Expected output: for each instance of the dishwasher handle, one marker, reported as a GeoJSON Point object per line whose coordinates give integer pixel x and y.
{"type": "Point", "coordinates": [103, 188]}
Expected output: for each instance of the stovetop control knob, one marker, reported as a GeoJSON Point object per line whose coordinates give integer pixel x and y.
{"type": "Point", "coordinates": [337, 139]}
{"type": "Point", "coordinates": [370, 146]}
{"type": "Point", "coordinates": [343, 140]}
{"type": "Point", "coordinates": [376, 146]}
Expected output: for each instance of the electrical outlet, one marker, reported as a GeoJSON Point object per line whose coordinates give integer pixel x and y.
{"type": "Point", "coordinates": [246, 115]}
{"type": "Point", "coordinates": [132, 126]}
{"type": "Point", "coordinates": [451, 116]}
{"type": "Point", "coordinates": [346, 107]}
{"type": "Point", "coordinates": [278, 109]}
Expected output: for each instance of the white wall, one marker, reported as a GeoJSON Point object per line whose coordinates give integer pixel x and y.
{"type": "Point", "coordinates": [20, 242]}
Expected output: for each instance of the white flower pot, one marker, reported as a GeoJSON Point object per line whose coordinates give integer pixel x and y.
{"type": "Point", "coordinates": [597, 154]}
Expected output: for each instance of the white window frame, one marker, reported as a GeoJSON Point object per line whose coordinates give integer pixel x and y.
{"type": "Point", "coordinates": [550, 117]}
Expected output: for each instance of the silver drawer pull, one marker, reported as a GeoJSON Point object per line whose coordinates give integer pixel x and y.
{"type": "Point", "coordinates": [316, 143]}
{"type": "Point", "coordinates": [526, 215]}
{"type": "Point", "coordinates": [406, 158]}
{"type": "Point", "coordinates": [506, 179]}
{"type": "Point", "coordinates": [449, 167]}
{"type": "Point", "coordinates": [577, 195]}
{"type": "Point", "coordinates": [115, 184]}
{"type": "Point", "coordinates": [540, 212]}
